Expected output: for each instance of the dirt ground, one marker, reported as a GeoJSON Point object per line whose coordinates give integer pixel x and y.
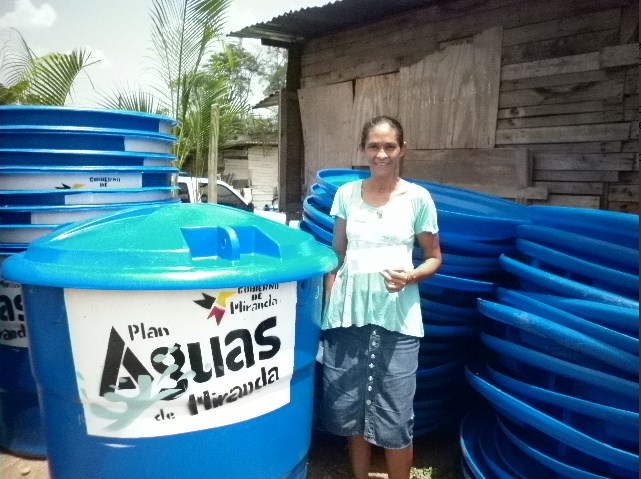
{"type": "Point", "coordinates": [435, 457]}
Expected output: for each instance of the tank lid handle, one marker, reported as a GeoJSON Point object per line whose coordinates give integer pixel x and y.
{"type": "Point", "coordinates": [208, 242]}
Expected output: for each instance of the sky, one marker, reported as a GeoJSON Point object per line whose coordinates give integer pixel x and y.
{"type": "Point", "coordinates": [117, 32]}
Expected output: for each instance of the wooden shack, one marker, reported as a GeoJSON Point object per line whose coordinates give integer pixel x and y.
{"type": "Point", "coordinates": [254, 165]}
{"type": "Point", "coordinates": [533, 100]}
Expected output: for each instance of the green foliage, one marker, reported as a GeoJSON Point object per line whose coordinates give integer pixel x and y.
{"type": "Point", "coordinates": [210, 88]}
{"type": "Point", "coordinates": [182, 33]}
{"type": "Point", "coordinates": [126, 98]}
{"type": "Point", "coordinates": [44, 80]}
{"type": "Point", "coordinates": [239, 65]}
{"type": "Point", "coordinates": [275, 68]}
{"type": "Point", "coordinates": [51, 77]}
{"type": "Point", "coordinates": [263, 129]}
{"type": "Point", "coordinates": [267, 66]}
{"type": "Point", "coordinates": [11, 95]}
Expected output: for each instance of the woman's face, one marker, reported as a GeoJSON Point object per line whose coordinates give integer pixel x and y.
{"type": "Point", "coordinates": [383, 151]}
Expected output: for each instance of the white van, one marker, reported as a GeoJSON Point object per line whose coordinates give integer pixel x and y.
{"type": "Point", "coordinates": [193, 189]}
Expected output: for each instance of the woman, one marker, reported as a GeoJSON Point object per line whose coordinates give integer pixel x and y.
{"type": "Point", "coordinates": [372, 318]}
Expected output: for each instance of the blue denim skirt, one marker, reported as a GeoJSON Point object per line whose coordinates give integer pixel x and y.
{"type": "Point", "coordinates": [369, 381]}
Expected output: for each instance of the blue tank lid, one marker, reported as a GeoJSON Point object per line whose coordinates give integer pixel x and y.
{"type": "Point", "coordinates": [177, 246]}
{"type": "Point", "coordinates": [71, 116]}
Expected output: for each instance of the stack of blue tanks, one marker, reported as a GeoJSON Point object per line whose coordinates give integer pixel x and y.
{"type": "Point", "coordinates": [474, 230]}
{"type": "Point", "coordinates": [60, 165]}
{"type": "Point", "coordinates": [560, 372]}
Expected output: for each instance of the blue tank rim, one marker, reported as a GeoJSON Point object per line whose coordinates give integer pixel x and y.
{"type": "Point", "coordinates": [77, 191]}
{"type": "Point", "coordinates": [8, 249]}
{"type": "Point", "coordinates": [605, 277]}
{"type": "Point", "coordinates": [86, 169]}
{"type": "Point", "coordinates": [528, 392]}
{"type": "Point", "coordinates": [546, 459]}
{"type": "Point", "coordinates": [32, 226]}
{"type": "Point", "coordinates": [516, 409]}
{"type": "Point", "coordinates": [129, 113]}
{"type": "Point", "coordinates": [98, 153]}
{"type": "Point", "coordinates": [554, 282]}
{"type": "Point", "coordinates": [82, 130]}
{"type": "Point", "coordinates": [83, 207]}
{"type": "Point", "coordinates": [563, 336]}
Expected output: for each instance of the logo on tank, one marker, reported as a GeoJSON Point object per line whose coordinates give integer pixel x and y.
{"type": "Point", "coordinates": [261, 298]}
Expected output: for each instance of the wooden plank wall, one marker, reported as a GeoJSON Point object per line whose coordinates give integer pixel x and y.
{"type": "Point", "coordinates": [449, 98]}
{"type": "Point", "coordinates": [570, 112]}
{"type": "Point", "coordinates": [505, 172]}
{"type": "Point", "coordinates": [568, 86]}
{"type": "Point", "coordinates": [263, 171]}
{"type": "Point", "coordinates": [290, 154]}
{"type": "Point", "coordinates": [326, 116]}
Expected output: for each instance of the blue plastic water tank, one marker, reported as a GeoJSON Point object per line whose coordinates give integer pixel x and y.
{"type": "Point", "coordinates": [20, 421]}
{"type": "Point", "coordinates": [175, 341]}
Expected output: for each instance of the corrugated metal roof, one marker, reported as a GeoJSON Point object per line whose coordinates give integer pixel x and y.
{"type": "Point", "coordinates": [269, 101]}
{"type": "Point", "coordinates": [311, 22]}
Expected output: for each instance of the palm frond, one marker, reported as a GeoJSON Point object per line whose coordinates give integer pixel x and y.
{"type": "Point", "coordinates": [133, 99]}
{"type": "Point", "coordinates": [208, 88]}
{"type": "Point", "coordinates": [11, 95]}
{"type": "Point", "coordinates": [182, 31]}
{"type": "Point", "coordinates": [16, 60]}
{"type": "Point", "coordinates": [51, 77]}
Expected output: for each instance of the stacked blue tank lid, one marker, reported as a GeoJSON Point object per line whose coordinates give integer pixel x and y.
{"type": "Point", "coordinates": [561, 349]}
{"type": "Point", "coordinates": [60, 165]}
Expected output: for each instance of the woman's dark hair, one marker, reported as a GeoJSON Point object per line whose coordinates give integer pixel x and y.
{"type": "Point", "coordinates": [380, 120]}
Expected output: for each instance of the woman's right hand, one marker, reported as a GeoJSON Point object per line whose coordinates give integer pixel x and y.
{"type": "Point", "coordinates": [396, 279]}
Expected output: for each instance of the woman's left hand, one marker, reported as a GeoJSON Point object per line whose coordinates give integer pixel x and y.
{"type": "Point", "coordinates": [396, 279]}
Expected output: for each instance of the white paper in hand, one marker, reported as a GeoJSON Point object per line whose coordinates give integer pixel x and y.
{"type": "Point", "coordinates": [375, 260]}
